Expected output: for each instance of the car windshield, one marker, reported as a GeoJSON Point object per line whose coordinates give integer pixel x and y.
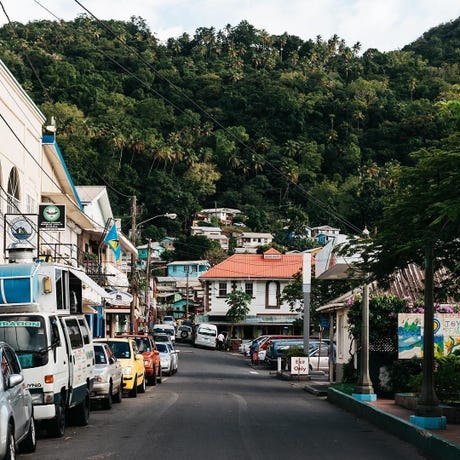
{"type": "Point", "coordinates": [120, 349]}
{"type": "Point", "coordinates": [99, 354]}
{"type": "Point", "coordinates": [27, 336]}
{"type": "Point", "coordinates": [206, 331]}
{"type": "Point", "coordinates": [143, 344]}
{"type": "Point", "coordinates": [162, 347]}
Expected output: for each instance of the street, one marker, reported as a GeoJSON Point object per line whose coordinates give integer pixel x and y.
{"type": "Point", "coordinates": [219, 407]}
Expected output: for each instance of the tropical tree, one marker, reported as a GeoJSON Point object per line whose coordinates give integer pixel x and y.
{"type": "Point", "coordinates": [238, 302]}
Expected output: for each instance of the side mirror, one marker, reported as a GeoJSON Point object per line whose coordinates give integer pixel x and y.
{"type": "Point", "coordinates": [139, 358]}
{"type": "Point", "coordinates": [15, 379]}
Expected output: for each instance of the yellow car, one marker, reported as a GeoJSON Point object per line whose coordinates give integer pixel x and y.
{"type": "Point", "coordinates": [132, 363]}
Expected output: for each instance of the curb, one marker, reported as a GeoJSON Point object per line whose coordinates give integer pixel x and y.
{"type": "Point", "coordinates": [429, 443]}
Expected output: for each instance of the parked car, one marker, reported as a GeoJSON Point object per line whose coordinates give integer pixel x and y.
{"type": "Point", "coordinates": [17, 425]}
{"type": "Point", "coordinates": [132, 362]}
{"type": "Point", "coordinates": [169, 358]}
{"type": "Point", "coordinates": [161, 337]}
{"type": "Point", "coordinates": [170, 320]}
{"type": "Point", "coordinates": [152, 362]}
{"type": "Point", "coordinates": [165, 329]}
{"type": "Point", "coordinates": [108, 376]}
{"type": "Point", "coordinates": [279, 347]}
{"type": "Point", "coordinates": [184, 334]}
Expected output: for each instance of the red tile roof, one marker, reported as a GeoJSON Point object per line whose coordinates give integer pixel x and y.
{"type": "Point", "coordinates": [250, 266]}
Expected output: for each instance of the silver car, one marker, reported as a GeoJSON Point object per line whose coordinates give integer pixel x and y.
{"type": "Point", "coordinates": [108, 376]}
{"type": "Point", "coordinates": [168, 357]}
{"type": "Point", "coordinates": [17, 426]}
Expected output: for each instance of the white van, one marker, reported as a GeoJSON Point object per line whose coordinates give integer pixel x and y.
{"type": "Point", "coordinates": [206, 335]}
{"type": "Point", "coordinates": [168, 329]}
{"type": "Point", "coordinates": [54, 346]}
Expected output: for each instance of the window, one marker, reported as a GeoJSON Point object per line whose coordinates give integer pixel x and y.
{"type": "Point", "coordinates": [61, 289]}
{"type": "Point", "coordinates": [84, 331]}
{"type": "Point", "coordinates": [272, 294]}
{"type": "Point", "coordinates": [222, 289]}
{"type": "Point", "coordinates": [249, 289]}
{"type": "Point", "coordinates": [13, 202]}
{"type": "Point", "coordinates": [76, 340]}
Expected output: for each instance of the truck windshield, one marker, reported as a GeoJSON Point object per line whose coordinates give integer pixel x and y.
{"type": "Point", "coordinates": [27, 335]}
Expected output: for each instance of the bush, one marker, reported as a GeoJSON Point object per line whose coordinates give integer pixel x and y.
{"type": "Point", "coordinates": [447, 381]}
{"type": "Point", "coordinates": [402, 374]}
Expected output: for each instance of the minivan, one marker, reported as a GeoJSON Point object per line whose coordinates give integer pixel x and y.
{"type": "Point", "coordinates": [206, 335]}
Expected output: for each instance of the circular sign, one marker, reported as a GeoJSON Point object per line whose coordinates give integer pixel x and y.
{"type": "Point", "coordinates": [51, 213]}
{"type": "Point", "coordinates": [21, 229]}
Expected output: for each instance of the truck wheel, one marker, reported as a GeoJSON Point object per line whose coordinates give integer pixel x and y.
{"type": "Point", "coordinates": [133, 392]}
{"type": "Point", "coordinates": [30, 441]}
{"type": "Point", "coordinates": [56, 426]}
{"type": "Point", "coordinates": [141, 388]}
{"type": "Point", "coordinates": [81, 412]}
{"type": "Point", "coordinates": [11, 444]}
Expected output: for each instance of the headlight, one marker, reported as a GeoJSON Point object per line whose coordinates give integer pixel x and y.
{"type": "Point", "coordinates": [165, 360]}
{"type": "Point", "coordinates": [127, 370]}
{"type": "Point", "coordinates": [37, 398]}
{"type": "Point", "coordinates": [99, 379]}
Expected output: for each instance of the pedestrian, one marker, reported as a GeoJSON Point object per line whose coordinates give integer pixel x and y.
{"type": "Point", "coordinates": [254, 352]}
{"type": "Point", "coordinates": [220, 341]}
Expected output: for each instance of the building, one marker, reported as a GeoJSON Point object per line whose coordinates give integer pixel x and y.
{"type": "Point", "coordinates": [225, 216]}
{"type": "Point", "coordinates": [249, 242]}
{"type": "Point", "coordinates": [212, 233]}
{"type": "Point", "coordinates": [263, 276]}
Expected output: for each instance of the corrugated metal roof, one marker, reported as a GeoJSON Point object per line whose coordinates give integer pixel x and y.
{"type": "Point", "coordinates": [250, 266]}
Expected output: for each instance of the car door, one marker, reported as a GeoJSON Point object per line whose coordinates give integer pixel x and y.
{"type": "Point", "coordinates": [138, 363]}
{"type": "Point", "coordinates": [16, 394]}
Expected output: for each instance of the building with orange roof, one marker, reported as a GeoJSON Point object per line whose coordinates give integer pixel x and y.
{"type": "Point", "coordinates": [264, 276]}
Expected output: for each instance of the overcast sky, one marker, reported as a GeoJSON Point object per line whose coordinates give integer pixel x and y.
{"type": "Point", "coordinates": [382, 24]}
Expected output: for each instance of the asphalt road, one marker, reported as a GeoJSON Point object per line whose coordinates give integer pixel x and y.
{"type": "Point", "coordinates": [217, 407]}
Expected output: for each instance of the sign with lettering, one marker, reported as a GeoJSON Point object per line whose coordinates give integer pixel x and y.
{"type": "Point", "coordinates": [51, 217]}
{"type": "Point", "coordinates": [410, 334]}
{"type": "Point", "coordinates": [299, 365]}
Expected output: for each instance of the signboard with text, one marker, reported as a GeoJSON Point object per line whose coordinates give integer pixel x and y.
{"type": "Point", "coordinates": [299, 365]}
{"type": "Point", "coordinates": [51, 217]}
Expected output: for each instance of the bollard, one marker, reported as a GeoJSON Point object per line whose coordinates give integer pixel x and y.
{"type": "Point", "coordinates": [279, 364]}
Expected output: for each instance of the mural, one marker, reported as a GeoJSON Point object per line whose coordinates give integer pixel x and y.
{"type": "Point", "coordinates": [410, 334]}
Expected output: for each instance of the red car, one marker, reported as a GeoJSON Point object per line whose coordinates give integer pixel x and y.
{"type": "Point", "coordinates": [152, 362]}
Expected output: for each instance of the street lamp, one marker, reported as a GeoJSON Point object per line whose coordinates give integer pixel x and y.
{"type": "Point", "coordinates": [134, 285]}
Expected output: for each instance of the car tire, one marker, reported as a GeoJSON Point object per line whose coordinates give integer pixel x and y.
{"type": "Point", "coordinates": [56, 426]}
{"type": "Point", "coordinates": [107, 402]}
{"type": "Point", "coordinates": [133, 392]}
{"type": "Point", "coordinates": [118, 396]}
{"type": "Point", "coordinates": [184, 334]}
{"type": "Point", "coordinates": [10, 453]}
{"type": "Point", "coordinates": [153, 378]}
{"type": "Point", "coordinates": [29, 443]}
{"type": "Point", "coordinates": [80, 413]}
{"type": "Point", "coordinates": [160, 375]}
{"type": "Point", "coordinates": [141, 388]}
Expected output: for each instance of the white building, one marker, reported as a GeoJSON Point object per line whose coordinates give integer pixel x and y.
{"type": "Point", "coordinates": [249, 242]}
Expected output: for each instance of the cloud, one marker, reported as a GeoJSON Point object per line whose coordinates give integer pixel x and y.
{"type": "Point", "coordinates": [384, 25]}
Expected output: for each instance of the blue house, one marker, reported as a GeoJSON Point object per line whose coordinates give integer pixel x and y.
{"type": "Point", "coordinates": [190, 268]}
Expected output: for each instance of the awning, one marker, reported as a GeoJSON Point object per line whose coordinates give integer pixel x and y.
{"type": "Point", "coordinates": [89, 283]}
{"type": "Point", "coordinates": [116, 277]}
{"type": "Point", "coordinates": [122, 299]}
{"type": "Point", "coordinates": [116, 311]}
{"type": "Point", "coordinates": [89, 310]}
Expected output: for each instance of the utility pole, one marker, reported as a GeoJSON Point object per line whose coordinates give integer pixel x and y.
{"type": "Point", "coordinates": [147, 285]}
{"type": "Point", "coordinates": [134, 286]}
{"type": "Point", "coordinates": [186, 291]}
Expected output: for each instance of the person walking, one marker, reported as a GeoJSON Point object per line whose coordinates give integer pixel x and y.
{"type": "Point", "coordinates": [220, 341]}
{"type": "Point", "coordinates": [254, 352]}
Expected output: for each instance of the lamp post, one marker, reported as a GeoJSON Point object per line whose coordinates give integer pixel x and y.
{"type": "Point", "coordinates": [134, 285]}
{"type": "Point", "coordinates": [168, 215]}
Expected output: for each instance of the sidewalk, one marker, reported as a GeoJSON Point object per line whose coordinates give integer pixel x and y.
{"type": "Point", "coordinates": [437, 444]}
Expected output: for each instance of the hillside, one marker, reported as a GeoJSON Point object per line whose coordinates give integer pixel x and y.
{"type": "Point", "coordinates": [289, 131]}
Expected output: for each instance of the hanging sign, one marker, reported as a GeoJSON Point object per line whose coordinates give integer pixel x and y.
{"type": "Point", "coordinates": [51, 217]}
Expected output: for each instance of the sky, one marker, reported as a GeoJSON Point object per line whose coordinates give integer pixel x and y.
{"type": "Point", "coordinates": [383, 24]}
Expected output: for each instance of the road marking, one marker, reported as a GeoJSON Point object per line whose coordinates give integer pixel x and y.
{"type": "Point", "coordinates": [253, 372]}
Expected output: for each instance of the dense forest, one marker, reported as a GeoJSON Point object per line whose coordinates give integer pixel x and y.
{"type": "Point", "coordinates": [291, 132]}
